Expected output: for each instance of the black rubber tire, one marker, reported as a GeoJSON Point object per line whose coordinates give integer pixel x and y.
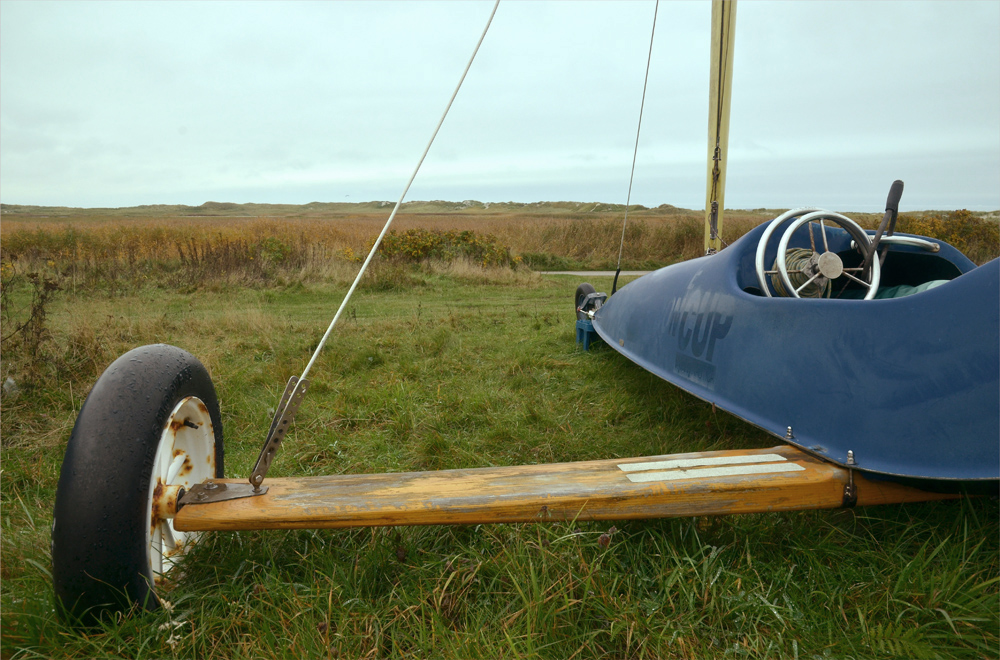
{"type": "Point", "coordinates": [100, 554]}
{"type": "Point", "coordinates": [582, 292]}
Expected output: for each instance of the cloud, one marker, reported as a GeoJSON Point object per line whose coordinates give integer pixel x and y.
{"type": "Point", "coordinates": [126, 103]}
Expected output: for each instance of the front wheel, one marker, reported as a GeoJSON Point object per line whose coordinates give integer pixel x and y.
{"type": "Point", "coordinates": [149, 429]}
{"type": "Point", "coordinates": [580, 298]}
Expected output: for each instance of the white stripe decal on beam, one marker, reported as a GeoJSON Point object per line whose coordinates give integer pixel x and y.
{"type": "Point", "coordinates": [698, 462]}
{"type": "Point", "coordinates": [703, 473]}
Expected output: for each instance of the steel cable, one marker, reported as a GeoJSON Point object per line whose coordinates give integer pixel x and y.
{"type": "Point", "coordinates": [392, 215]}
{"type": "Point", "coordinates": [635, 152]}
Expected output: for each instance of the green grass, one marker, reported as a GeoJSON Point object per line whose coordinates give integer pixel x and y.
{"type": "Point", "coordinates": [436, 368]}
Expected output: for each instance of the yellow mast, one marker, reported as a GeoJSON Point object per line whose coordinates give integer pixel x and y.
{"type": "Point", "coordinates": [720, 88]}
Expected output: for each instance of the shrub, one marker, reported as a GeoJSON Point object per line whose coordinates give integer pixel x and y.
{"type": "Point", "coordinates": [25, 331]}
{"type": "Point", "coordinates": [978, 238]}
{"type": "Point", "coordinates": [418, 245]}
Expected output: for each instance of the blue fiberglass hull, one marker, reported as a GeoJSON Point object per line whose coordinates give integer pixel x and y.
{"type": "Point", "coordinates": [910, 385]}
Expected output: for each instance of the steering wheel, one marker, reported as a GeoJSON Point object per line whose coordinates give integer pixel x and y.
{"type": "Point", "coordinates": [828, 265]}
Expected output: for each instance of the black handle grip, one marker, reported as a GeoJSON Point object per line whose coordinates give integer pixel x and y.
{"type": "Point", "coordinates": [895, 192]}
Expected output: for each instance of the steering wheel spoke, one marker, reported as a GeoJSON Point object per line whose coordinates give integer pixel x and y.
{"type": "Point", "coordinates": [807, 282]}
{"type": "Point", "coordinates": [858, 280]}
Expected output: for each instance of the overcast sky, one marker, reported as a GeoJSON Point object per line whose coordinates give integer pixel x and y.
{"type": "Point", "coordinates": [127, 103]}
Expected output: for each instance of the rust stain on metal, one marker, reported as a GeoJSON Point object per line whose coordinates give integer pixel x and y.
{"type": "Point", "coordinates": [176, 549]}
{"type": "Point", "coordinates": [155, 520]}
{"type": "Point", "coordinates": [163, 505]}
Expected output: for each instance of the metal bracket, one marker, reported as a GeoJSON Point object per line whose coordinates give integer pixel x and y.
{"type": "Point", "coordinates": [295, 390]}
{"type": "Point", "coordinates": [211, 491]}
{"type": "Point", "coordinates": [592, 303]}
{"type": "Point", "coordinates": [850, 490]}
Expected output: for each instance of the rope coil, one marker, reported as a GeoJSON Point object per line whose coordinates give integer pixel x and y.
{"type": "Point", "coordinates": [799, 262]}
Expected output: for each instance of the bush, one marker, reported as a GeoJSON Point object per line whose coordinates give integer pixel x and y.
{"type": "Point", "coordinates": [25, 332]}
{"type": "Point", "coordinates": [978, 238]}
{"type": "Point", "coordinates": [416, 245]}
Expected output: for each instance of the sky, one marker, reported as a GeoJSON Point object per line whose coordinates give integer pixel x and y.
{"type": "Point", "coordinates": [110, 104]}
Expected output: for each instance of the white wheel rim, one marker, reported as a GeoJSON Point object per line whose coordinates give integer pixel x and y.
{"type": "Point", "coordinates": [185, 456]}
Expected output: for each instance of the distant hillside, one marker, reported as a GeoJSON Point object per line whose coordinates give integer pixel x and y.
{"type": "Point", "coordinates": [229, 209]}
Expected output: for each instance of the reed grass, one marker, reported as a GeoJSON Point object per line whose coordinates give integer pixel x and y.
{"type": "Point", "coordinates": [113, 248]}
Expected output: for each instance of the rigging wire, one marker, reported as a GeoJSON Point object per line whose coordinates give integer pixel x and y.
{"type": "Point", "coordinates": [392, 215]}
{"type": "Point", "coordinates": [635, 152]}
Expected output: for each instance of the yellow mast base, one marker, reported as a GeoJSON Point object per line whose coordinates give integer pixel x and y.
{"type": "Point", "coordinates": [696, 484]}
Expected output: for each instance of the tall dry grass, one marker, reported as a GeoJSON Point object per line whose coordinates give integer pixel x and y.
{"type": "Point", "coordinates": [91, 249]}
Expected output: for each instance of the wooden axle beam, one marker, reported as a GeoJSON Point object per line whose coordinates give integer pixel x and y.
{"type": "Point", "coordinates": [697, 484]}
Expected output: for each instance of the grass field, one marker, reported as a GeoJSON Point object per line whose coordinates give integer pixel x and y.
{"type": "Point", "coordinates": [441, 365]}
